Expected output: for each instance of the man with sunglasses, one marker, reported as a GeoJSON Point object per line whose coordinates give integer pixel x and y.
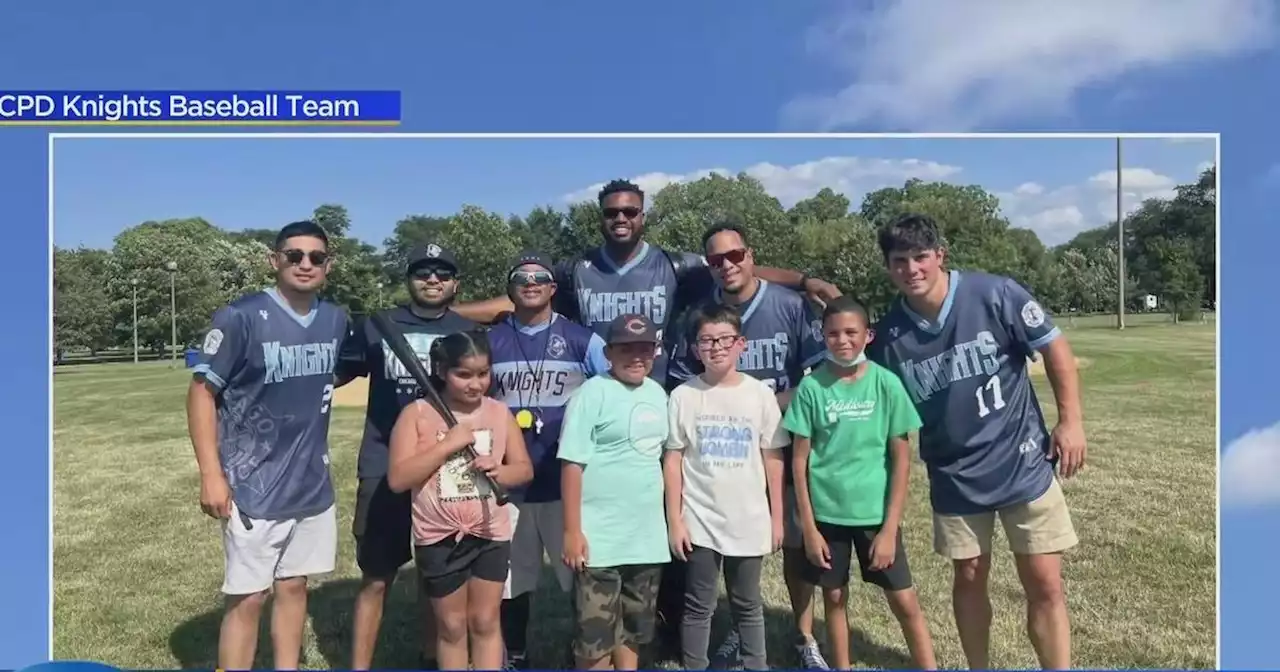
{"type": "Point", "coordinates": [383, 519]}
{"type": "Point", "coordinates": [258, 415]}
{"type": "Point", "coordinates": [539, 360]}
{"type": "Point", "coordinates": [784, 340]}
{"type": "Point", "coordinates": [627, 275]}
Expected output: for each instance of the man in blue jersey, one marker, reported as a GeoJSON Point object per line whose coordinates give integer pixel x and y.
{"type": "Point", "coordinates": [383, 518]}
{"type": "Point", "coordinates": [539, 360]}
{"type": "Point", "coordinates": [258, 414]}
{"type": "Point", "coordinates": [784, 340]}
{"type": "Point", "coordinates": [960, 341]}
{"type": "Point", "coordinates": [628, 275]}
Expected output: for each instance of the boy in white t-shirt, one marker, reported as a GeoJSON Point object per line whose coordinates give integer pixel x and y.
{"type": "Point", "coordinates": [723, 470]}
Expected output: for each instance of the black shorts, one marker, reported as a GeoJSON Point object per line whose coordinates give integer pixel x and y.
{"type": "Point", "coordinates": [382, 526]}
{"type": "Point", "coordinates": [844, 541]}
{"type": "Point", "coordinates": [446, 565]}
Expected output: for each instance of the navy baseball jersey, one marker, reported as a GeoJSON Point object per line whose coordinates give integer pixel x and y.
{"type": "Point", "coordinates": [537, 369]}
{"type": "Point", "coordinates": [784, 338]}
{"type": "Point", "coordinates": [984, 439]}
{"type": "Point", "coordinates": [391, 387]}
{"type": "Point", "coordinates": [600, 291]}
{"type": "Point", "coordinates": [274, 373]}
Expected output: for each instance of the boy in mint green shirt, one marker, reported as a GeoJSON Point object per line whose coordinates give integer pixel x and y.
{"type": "Point", "coordinates": [615, 524]}
{"type": "Point", "coordinates": [850, 419]}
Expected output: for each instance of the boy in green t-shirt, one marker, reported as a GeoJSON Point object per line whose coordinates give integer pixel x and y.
{"type": "Point", "coordinates": [850, 420]}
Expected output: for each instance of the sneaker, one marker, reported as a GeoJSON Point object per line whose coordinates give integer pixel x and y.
{"type": "Point", "coordinates": [810, 655]}
{"type": "Point", "coordinates": [728, 656]}
{"type": "Point", "coordinates": [516, 661]}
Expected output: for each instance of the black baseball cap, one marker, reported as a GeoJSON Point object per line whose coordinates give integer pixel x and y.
{"type": "Point", "coordinates": [531, 257]}
{"type": "Point", "coordinates": [632, 328]}
{"type": "Point", "coordinates": [429, 253]}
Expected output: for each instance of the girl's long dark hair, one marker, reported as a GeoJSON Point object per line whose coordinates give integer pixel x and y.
{"type": "Point", "coordinates": [448, 352]}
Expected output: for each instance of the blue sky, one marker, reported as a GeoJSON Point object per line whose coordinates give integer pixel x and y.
{"type": "Point", "coordinates": [717, 65]}
{"type": "Point", "coordinates": [1058, 187]}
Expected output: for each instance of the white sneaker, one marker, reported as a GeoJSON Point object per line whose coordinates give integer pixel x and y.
{"type": "Point", "coordinates": [810, 655]}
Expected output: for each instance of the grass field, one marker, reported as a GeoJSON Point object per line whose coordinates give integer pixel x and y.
{"type": "Point", "coordinates": [137, 566]}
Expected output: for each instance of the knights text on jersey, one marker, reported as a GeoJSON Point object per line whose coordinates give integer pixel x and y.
{"type": "Point", "coordinates": [535, 371]}
{"type": "Point", "coordinates": [646, 285]}
{"type": "Point", "coordinates": [984, 438]}
{"type": "Point", "coordinates": [391, 387]}
{"type": "Point", "coordinates": [784, 337]}
{"type": "Point", "coordinates": [274, 372]}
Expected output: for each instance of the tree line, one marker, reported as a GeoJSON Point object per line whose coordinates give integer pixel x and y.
{"type": "Point", "coordinates": [1170, 251]}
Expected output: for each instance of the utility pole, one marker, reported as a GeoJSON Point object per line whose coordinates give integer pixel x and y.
{"type": "Point", "coordinates": [135, 320]}
{"type": "Point", "coordinates": [1119, 238]}
{"type": "Point", "coordinates": [172, 267]}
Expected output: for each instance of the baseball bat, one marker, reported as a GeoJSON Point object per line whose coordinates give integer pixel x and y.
{"type": "Point", "coordinates": [403, 352]}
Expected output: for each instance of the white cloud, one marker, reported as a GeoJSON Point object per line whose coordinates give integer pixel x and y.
{"type": "Point", "coordinates": [1251, 469]}
{"type": "Point", "coordinates": [1057, 215]}
{"type": "Point", "coordinates": [850, 175]}
{"type": "Point", "coordinates": [937, 65]}
{"type": "Point", "coordinates": [1029, 189]}
{"type": "Point", "coordinates": [1141, 179]}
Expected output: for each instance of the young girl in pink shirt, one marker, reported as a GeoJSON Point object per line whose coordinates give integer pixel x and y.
{"type": "Point", "coordinates": [462, 537]}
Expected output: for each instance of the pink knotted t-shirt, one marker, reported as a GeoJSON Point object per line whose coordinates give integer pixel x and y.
{"type": "Point", "coordinates": [456, 500]}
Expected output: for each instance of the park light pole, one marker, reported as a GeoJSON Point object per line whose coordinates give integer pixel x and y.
{"type": "Point", "coordinates": [172, 268]}
{"type": "Point", "coordinates": [1119, 238]}
{"type": "Point", "coordinates": [379, 296]}
{"type": "Point", "coordinates": [135, 320]}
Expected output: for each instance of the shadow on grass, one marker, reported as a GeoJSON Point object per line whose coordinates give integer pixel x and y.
{"type": "Point", "coordinates": [330, 606]}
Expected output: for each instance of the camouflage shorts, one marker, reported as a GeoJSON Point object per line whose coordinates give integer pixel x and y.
{"type": "Point", "coordinates": [614, 605]}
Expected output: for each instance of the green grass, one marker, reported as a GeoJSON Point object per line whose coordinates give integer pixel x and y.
{"type": "Point", "coordinates": [137, 566]}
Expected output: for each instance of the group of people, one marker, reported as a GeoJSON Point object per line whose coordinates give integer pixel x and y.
{"type": "Point", "coordinates": [658, 419]}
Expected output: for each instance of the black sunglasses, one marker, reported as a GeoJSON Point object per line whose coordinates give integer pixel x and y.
{"type": "Point", "coordinates": [295, 257]}
{"type": "Point", "coordinates": [732, 256]}
{"type": "Point", "coordinates": [631, 212]}
{"type": "Point", "coordinates": [444, 273]}
{"type": "Point", "coordinates": [522, 278]}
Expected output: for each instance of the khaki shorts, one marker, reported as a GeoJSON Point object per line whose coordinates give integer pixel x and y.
{"type": "Point", "coordinates": [1038, 527]}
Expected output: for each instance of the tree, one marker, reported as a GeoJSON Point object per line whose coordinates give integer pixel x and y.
{"type": "Point", "coordinates": [485, 247]}
{"type": "Point", "coordinates": [266, 237]}
{"type": "Point", "coordinates": [968, 218]}
{"type": "Point", "coordinates": [542, 230]}
{"type": "Point", "coordinates": [843, 251]}
{"type": "Point", "coordinates": [581, 230]}
{"type": "Point", "coordinates": [824, 206]}
{"type": "Point", "coordinates": [199, 250]}
{"type": "Point", "coordinates": [1169, 251]}
{"type": "Point", "coordinates": [357, 268]}
{"type": "Point", "coordinates": [81, 306]}
{"type": "Point", "coordinates": [681, 213]}
{"type": "Point", "coordinates": [410, 232]}
{"type": "Point", "coordinates": [1176, 276]}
